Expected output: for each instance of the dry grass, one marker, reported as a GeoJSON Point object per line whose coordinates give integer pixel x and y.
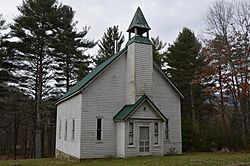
{"type": "Point", "coordinates": [187, 159]}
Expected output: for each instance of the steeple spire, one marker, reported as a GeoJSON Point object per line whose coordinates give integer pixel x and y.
{"type": "Point", "coordinates": [139, 24]}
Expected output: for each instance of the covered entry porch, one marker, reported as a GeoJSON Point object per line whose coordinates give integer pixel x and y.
{"type": "Point", "coordinates": [140, 129]}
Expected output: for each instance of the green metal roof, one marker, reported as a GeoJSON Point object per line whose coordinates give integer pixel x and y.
{"type": "Point", "coordinates": [139, 21]}
{"type": "Point", "coordinates": [127, 110]}
{"type": "Point", "coordinates": [139, 39]}
{"type": "Point", "coordinates": [83, 82]}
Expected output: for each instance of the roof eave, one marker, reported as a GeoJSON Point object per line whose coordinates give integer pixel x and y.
{"type": "Point", "coordinates": [68, 97]}
{"type": "Point", "coordinates": [82, 88]}
{"type": "Point", "coordinates": [151, 103]}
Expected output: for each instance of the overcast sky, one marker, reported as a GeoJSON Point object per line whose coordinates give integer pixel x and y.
{"type": "Point", "coordinates": [165, 17]}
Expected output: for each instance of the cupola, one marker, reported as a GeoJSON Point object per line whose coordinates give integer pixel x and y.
{"type": "Point", "coordinates": [138, 25]}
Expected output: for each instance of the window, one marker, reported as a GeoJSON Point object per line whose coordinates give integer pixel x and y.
{"type": "Point", "coordinates": [166, 130]}
{"type": "Point", "coordinates": [156, 133]}
{"type": "Point", "coordinates": [73, 129]}
{"type": "Point", "coordinates": [131, 133]}
{"type": "Point", "coordinates": [99, 129]}
{"type": "Point", "coordinates": [60, 128]}
{"type": "Point", "coordinates": [65, 131]}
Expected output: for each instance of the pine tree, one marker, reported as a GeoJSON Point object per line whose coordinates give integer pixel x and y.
{"type": "Point", "coordinates": [183, 61]}
{"type": "Point", "coordinates": [6, 65]}
{"type": "Point", "coordinates": [34, 30]}
{"type": "Point", "coordinates": [71, 45]}
{"type": "Point", "coordinates": [158, 52]}
{"type": "Point", "coordinates": [107, 44]}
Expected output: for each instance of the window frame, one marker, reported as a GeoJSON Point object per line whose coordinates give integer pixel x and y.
{"type": "Point", "coordinates": [66, 130]}
{"type": "Point", "coordinates": [131, 134]}
{"type": "Point", "coordinates": [156, 134]}
{"type": "Point", "coordinates": [73, 128]}
{"type": "Point", "coordinates": [167, 130]}
{"type": "Point", "coordinates": [99, 130]}
{"type": "Point", "coordinates": [60, 129]}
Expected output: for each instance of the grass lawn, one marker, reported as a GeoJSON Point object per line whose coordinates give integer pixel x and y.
{"type": "Point", "coordinates": [186, 159]}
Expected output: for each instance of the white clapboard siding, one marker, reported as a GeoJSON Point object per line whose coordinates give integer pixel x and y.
{"type": "Point", "coordinates": [69, 110]}
{"type": "Point", "coordinates": [104, 97]}
{"type": "Point", "coordinates": [134, 150]}
{"type": "Point", "coordinates": [130, 75]}
{"type": "Point", "coordinates": [168, 101]}
{"type": "Point", "coordinates": [123, 82]}
{"type": "Point", "coordinates": [143, 69]}
{"type": "Point", "coordinates": [139, 71]}
{"type": "Point", "coordinates": [120, 139]}
{"type": "Point", "coordinates": [145, 111]}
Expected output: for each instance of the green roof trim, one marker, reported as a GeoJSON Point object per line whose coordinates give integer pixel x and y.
{"type": "Point", "coordinates": [127, 110]}
{"type": "Point", "coordinates": [89, 77]}
{"type": "Point", "coordinates": [139, 39]}
{"type": "Point", "coordinates": [138, 21]}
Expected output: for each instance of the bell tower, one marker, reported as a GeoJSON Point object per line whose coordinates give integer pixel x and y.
{"type": "Point", "coordinates": [139, 59]}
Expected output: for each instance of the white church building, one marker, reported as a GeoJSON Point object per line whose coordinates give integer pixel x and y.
{"type": "Point", "coordinates": [124, 107]}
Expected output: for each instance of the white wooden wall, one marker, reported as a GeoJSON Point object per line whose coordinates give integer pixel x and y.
{"type": "Point", "coordinates": [134, 150]}
{"type": "Point", "coordinates": [104, 97]}
{"type": "Point", "coordinates": [130, 75]}
{"type": "Point", "coordinates": [69, 110]}
{"type": "Point", "coordinates": [139, 71]}
{"type": "Point", "coordinates": [168, 101]}
{"type": "Point", "coordinates": [120, 126]}
{"type": "Point", "coordinates": [147, 114]}
{"type": "Point", "coordinates": [143, 69]}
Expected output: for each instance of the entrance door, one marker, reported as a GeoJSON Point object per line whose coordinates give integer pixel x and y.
{"type": "Point", "coordinates": [144, 140]}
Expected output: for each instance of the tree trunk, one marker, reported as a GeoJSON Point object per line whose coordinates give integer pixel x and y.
{"type": "Point", "coordinates": [25, 141]}
{"type": "Point", "coordinates": [192, 104]}
{"type": "Point", "coordinates": [43, 139]}
{"type": "Point", "coordinates": [38, 151]}
{"type": "Point", "coordinates": [222, 108]}
{"type": "Point", "coordinates": [16, 128]}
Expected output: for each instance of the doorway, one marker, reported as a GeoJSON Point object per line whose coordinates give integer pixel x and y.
{"type": "Point", "coordinates": [144, 140]}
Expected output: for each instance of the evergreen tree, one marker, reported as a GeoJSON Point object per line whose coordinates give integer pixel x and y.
{"type": "Point", "coordinates": [158, 53]}
{"type": "Point", "coordinates": [70, 48]}
{"type": "Point", "coordinates": [184, 61]}
{"type": "Point", "coordinates": [35, 30]}
{"type": "Point", "coordinates": [107, 44]}
{"type": "Point", "coordinates": [3, 72]}
{"type": "Point", "coordinates": [6, 65]}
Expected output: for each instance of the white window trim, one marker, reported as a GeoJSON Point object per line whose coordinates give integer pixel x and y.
{"type": "Point", "coordinates": [133, 134]}
{"type": "Point", "coordinates": [158, 134]}
{"type": "Point", "coordinates": [99, 141]}
{"type": "Point", "coordinates": [60, 129]}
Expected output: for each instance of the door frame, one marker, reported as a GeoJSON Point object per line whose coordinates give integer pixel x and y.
{"type": "Point", "coordinates": [149, 140]}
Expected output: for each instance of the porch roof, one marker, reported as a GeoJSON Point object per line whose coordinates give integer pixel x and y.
{"type": "Point", "coordinates": [128, 110]}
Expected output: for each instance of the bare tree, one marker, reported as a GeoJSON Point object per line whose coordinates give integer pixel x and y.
{"type": "Point", "coordinates": [229, 23]}
{"type": "Point", "coordinates": [219, 18]}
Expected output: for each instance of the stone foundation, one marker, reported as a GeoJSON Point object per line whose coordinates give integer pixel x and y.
{"type": "Point", "coordinates": [66, 157]}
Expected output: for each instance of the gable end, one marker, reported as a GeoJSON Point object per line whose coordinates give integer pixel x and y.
{"type": "Point", "coordinates": [168, 80]}
{"type": "Point", "coordinates": [128, 110]}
